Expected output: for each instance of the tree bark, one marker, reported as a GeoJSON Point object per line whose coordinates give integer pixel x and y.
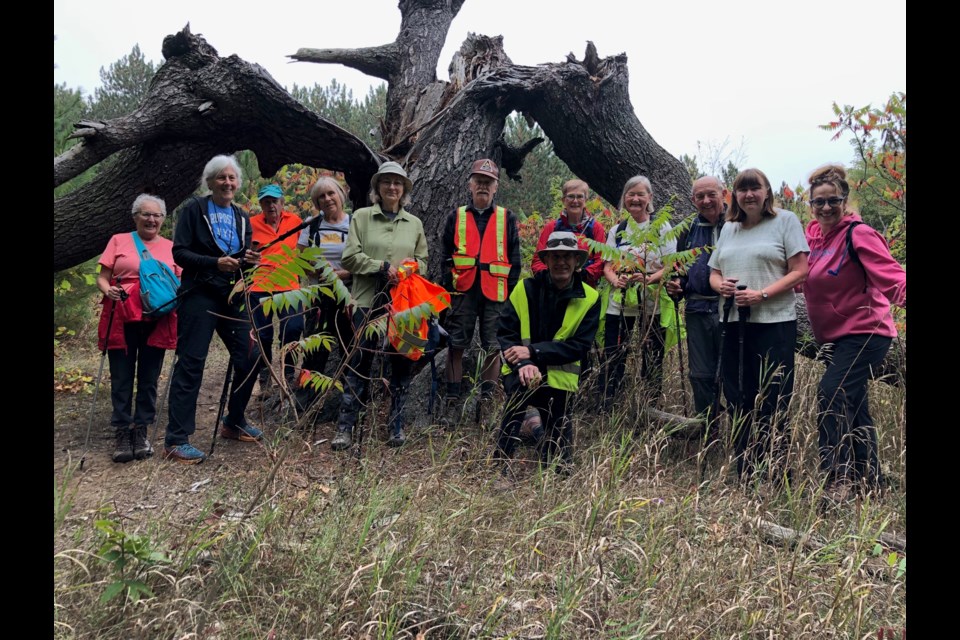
{"type": "Point", "coordinates": [198, 105]}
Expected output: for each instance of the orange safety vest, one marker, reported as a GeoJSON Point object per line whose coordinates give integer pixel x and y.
{"type": "Point", "coordinates": [494, 263]}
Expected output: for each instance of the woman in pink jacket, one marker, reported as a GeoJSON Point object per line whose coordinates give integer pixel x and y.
{"type": "Point", "coordinates": [851, 283]}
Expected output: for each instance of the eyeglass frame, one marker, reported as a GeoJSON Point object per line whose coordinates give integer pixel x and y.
{"type": "Point", "coordinates": [833, 201]}
{"type": "Point", "coordinates": [151, 216]}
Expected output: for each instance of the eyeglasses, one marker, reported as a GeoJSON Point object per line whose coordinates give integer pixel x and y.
{"type": "Point", "coordinates": [150, 216]}
{"type": "Point", "coordinates": [556, 242]}
{"type": "Point", "coordinates": [818, 203]}
{"type": "Point", "coordinates": [392, 182]}
{"type": "Point", "coordinates": [709, 195]}
{"type": "Point", "coordinates": [575, 196]}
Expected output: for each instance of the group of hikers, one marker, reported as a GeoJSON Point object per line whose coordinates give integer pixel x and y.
{"type": "Point", "coordinates": [738, 266]}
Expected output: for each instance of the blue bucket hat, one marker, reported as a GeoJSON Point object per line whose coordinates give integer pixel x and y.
{"type": "Point", "coordinates": [270, 191]}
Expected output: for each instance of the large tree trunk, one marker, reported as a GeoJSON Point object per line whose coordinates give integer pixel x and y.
{"type": "Point", "coordinates": [199, 105]}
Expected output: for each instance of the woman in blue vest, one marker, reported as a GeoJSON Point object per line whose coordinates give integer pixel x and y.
{"type": "Point", "coordinates": [545, 331]}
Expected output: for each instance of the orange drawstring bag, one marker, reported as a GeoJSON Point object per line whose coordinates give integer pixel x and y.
{"type": "Point", "coordinates": [411, 291]}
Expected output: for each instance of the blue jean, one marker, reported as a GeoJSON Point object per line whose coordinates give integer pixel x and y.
{"type": "Point", "coordinates": [291, 328]}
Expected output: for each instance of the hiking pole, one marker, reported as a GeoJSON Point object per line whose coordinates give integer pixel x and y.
{"type": "Point", "coordinates": [676, 316]}
{"type": "Point", "coordinates": [743, 314]}
{"type": "Point", "coordinates": [103, 358]}
{"type": "Point", "coordinates": [718, 377]}
{"type": "Point", "coordinates": [223, 403]}
{"type": "Point", "coordinates": [166, 393]}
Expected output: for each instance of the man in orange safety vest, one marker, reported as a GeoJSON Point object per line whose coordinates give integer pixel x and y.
{"type": "Point", "coordinates": [481, 263]}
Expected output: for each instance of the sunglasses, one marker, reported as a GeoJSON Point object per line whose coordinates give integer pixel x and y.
{"type": "Point", "coordinates": [818, 203]}
{"type": "Point", "coordinates": [556, 242]}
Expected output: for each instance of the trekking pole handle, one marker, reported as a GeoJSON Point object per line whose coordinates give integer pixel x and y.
{"type": "Point", "coordinates": [744, 312]}
{"type": "Point", "coordinates": [123, 293]}
{"type": "Point", "coordinates": [676, 297]}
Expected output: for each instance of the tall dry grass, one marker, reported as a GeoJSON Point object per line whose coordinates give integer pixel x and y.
{"type": "Point", "coordinates": [648, 537]}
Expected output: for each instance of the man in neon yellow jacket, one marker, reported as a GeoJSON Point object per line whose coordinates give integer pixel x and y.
{"type": "Point", "coordinates": [545, 330]}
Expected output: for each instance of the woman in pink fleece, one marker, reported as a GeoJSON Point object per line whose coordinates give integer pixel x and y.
{"type": "Point", "coordinates": [848, 301]}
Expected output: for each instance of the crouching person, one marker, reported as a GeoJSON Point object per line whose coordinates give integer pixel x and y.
{"type": "Point", "coordinates": [546, 328]}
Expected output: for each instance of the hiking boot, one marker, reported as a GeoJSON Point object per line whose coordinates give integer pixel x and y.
{"type": "Point", "coordinates": [452, 410]}
{"type": "Point", "coordinates": [123, 452]}
{"type": "Point", "coordinates": [397, 438]}
{"type": "Point", "coordinates": [342, 440]}
{"type": "Point", "coordinates": [184, 453]}
{"type": "Point", "coordinates": [141, 444]}
{"type": "Point", "coordinates": [244, 432]}
{"type": "Point", "coordinates": [266, 380]}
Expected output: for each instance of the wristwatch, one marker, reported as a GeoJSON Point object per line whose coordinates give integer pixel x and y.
{"type": "Point", "coordinates": [763, 294]}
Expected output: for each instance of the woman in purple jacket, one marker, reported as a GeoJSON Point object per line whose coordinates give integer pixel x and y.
{"type": "Point", "coordinates": [851, 283]}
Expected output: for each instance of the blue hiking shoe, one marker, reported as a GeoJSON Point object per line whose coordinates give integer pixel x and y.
{"type": "Point", "coordinates": [244, 432]}
{"type": "Point", "coordinates": [184, 453]}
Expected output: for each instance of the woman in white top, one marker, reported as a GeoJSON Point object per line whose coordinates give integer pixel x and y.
{"type": "Point", "coordinates": [628, 279]}
{"type": "Point", "coordinates": [328, 232]}
{"type": "Point", "coordinates": [763, 248]}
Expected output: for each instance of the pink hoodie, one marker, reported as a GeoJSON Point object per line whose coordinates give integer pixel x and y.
{"type": "Point", "coordinates": [839, 301]}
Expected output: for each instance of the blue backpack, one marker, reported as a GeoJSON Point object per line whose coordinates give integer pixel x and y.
{"type": "Point", "coordinates": [158, 283]}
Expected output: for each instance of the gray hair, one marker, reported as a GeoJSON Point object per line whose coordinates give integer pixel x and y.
{"type": "Point", "coordinates": [146, 197]}
{"type": "Point", "coordinates": [631, 183]}
{"type": "Point", "coordinates": [213, 169]}
{"type": "Point", "coordinates": [324, 182]}
{"type": "Point", "coordinates": [374, 195]}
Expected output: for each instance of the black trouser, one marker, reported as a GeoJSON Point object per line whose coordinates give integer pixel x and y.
{"type": "Point", "coordinates": [848, 439]}
{"type": "Point", "coordinates": [617, 336]}
{"type": "Point", "coordinates": [703, 349]}
{"type": "Point", "coordinates": [552, 405]}
{"type": "Point", "coordinates": [198, 317]}
{"type": "Point", "coordinates": [760, 408]}
{"type": "Point", "coordinates": [355, 388]}
{"type": "Point", "coordinates": [141, 362]}
{"type": "Point", "coordinates": [291, 327]}
{"type": "Point", "coordinates": [329, 318]}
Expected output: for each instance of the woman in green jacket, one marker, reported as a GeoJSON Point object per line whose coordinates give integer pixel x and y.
{"type": "Point", "coordinates": [381, 238]}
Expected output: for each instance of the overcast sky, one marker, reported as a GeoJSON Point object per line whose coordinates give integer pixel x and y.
{"type": "Point", "coordinates": [760, 73]}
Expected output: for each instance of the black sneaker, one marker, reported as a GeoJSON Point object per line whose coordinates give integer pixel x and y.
{"type": "Point", "coordinates": [123, 452]}
{"type": "Point", "coordinates": [141, 444]}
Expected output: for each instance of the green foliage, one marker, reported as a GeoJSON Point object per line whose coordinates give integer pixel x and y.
{"type": "Point", "coordinates": [693, 169]}
{"type": "Point", "coordinates": [74, 291]}
{"type": "Point", "coordinates": [128, 557]}
{"type": "Point", "coordinates": [336, 103]}
{"type": "Point", "coordinates": [878, 177]}
{"type": "Point", "coordinates": [542, 174]}
{"type": "Point", "coordinates": [68, 108]}
{"type": "Point", "coordinates": [647, 236]}
{"type": "Point", "coordinates": [125, 85]}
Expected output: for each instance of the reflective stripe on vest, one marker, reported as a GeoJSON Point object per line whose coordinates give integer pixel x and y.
{"type": "Point", "coordinates": [494, 265]}
{"type": "Point", "coordinates": [565, 377]}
